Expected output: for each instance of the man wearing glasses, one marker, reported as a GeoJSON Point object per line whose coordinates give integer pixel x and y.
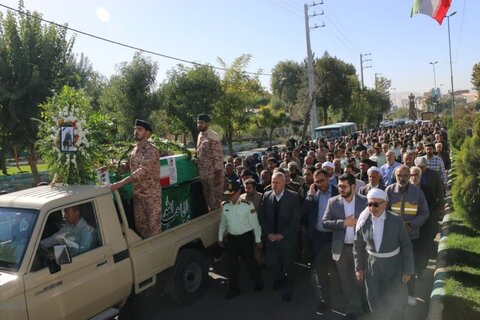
{"type": "Point", "coordinates": [313, 210]}
{"type": "Point", "coordinates": [341, 217]}
{"type": "Point", "coordinates": [383, 257]}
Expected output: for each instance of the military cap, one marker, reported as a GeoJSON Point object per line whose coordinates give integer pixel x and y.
{"type": "Point", "coordinates": [144, 124]}
{"type": "Point", "coordinates": [203, 117]}
{"type": "Point", "coordinates": [232, 187]}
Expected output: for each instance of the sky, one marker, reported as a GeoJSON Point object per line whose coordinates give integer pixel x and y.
{"type": "Point", "coordinates": [401, 46]}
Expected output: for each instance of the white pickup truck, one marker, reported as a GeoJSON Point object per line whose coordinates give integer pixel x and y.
{"type": "Point", "coordinates": [91, 280]}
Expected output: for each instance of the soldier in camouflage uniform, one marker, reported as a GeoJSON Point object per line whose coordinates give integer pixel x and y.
{"type": "Point", "coordinates": [210, 162]}
{"type": "Point", "coordinates": [144, 163]}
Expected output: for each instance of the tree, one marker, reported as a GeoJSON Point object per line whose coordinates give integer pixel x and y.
{"type": "Point", "coordinates": [334, 87]}
{"type": "Point", "coordinates": [241, 94]}
{"type": "Point", "coordinates": [82, 76]}
{"type": "Point", "coordinates": [476, 78]}
{"type": "Point", "coordinates": [288, 78]}
{"type": "Point", "coordinates": [465, 191]}
{"type": "Point", "coordinates": [188, 92]}
{"type": "Point", "coordinates": [130, 93]}
{"type": "Point", "coordinates": [33, 65]}
{"type": "Point", "coordinates": [271, 116]}
{"type": "Point", "coordinates": [379, 103]}
{"type": "Point", "coordinates": [383, 85]}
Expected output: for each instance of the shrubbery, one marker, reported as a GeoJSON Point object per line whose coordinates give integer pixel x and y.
{"type": "Point", "coordinates": [466, 189]}
{"type": "Point", "coordinates": [457, 127]}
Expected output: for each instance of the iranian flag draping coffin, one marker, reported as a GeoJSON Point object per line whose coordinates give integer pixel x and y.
{"type": "Point", "coordinates": [180, 188]}
{"type": "Point", "coordinates": [177, 175]}
{"type": "Point", "coordinates": [177, 169]}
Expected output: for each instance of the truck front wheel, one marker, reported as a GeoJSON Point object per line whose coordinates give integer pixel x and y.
{"type": "Point", "coordinates": [190, 275]}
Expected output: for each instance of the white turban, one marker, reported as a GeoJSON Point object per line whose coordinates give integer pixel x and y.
{"type": "Point", "coordinates": [376, 193]}
{"type": "Point", "coordinates": [328, 164]}
{"type": "Point", "coordinates": [373, 169]}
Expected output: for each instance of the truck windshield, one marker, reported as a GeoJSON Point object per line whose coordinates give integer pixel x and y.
{"type": "Point", "coordinates": [16, 226]}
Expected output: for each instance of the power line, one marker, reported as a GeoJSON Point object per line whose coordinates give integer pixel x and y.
{"type": "Point", "coordinates": [123, 44]}
{"type": "Point", "coordinates": [295, 7]}
{"type": "Point", "coordinates": [336, 23]}
{"type": "Point", "coordinates": [346, 42]}
{"type": "Point", "coordinates": [287, 9]}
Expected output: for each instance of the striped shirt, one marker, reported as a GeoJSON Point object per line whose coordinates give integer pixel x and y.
{"type": "Point", "coordinates": [436, 163]}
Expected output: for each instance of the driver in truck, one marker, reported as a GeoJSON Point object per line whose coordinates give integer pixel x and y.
{"type": "Point", "coordinates": [76, 234]}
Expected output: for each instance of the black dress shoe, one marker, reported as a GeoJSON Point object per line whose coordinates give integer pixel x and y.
{"type": "Point", "coordinates": [322, 306]}
{"type": "Point", "coordinates": [287, 296]}
{"type": "Point", "coordinates": [351, 316]}
{"type": "Point", "coordinates": [232, 294]}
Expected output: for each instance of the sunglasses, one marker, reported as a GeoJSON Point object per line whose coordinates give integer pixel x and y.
{"type": "Point", "coordinates": [374, 204]}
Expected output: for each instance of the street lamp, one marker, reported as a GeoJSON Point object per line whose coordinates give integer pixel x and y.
{"type": "Point", "coordinates": [434, 77]}
{"type": "Point", "coordinates": [451, 72]}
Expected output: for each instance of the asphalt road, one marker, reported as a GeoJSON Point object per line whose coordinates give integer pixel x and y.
{"type": "Point", "coordinates": [251, 305]}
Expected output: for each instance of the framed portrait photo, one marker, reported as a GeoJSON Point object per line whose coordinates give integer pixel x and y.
{"type": "Point", "coordinates": [67, 142]}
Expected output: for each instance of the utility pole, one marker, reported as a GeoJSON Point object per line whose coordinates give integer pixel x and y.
{"type": "Point", "coordinates": [376, 80]}
{"type": "Point", "coordinates": [451, 72]}
{"type": "Point", "coordinates": [362, 60]}
{"type": "Point", "coordinates": [311, 79]}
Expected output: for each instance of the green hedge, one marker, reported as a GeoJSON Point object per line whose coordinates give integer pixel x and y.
{"type": "Point", "coordinates": [466, 189]}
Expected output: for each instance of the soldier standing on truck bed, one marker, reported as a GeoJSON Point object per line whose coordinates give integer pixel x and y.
{"type": "Point", "coordinates": [210, 162]}
{"type": "Point", "coordinates": [144, 163]}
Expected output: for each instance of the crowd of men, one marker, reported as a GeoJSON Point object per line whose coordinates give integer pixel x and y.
{"type": "Point", "coordinates": [362, 208]}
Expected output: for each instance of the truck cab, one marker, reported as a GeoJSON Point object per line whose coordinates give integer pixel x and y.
{"type": "Point", "coordinates": [48, 273]}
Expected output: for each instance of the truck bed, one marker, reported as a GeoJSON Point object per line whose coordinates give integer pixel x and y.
{"type": "Point", "coordinates": [156, 254]}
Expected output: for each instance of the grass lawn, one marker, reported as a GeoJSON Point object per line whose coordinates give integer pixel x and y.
{"type": "Point", "coordinates": [462, 287]}
{"type": "Point", "coordinates": [25, 169]}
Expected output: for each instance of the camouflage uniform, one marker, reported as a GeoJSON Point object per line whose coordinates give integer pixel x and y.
{"type": "Point", "coordinates": [144, 164]}
{"type": "Point", "coordinates": [210, 159]}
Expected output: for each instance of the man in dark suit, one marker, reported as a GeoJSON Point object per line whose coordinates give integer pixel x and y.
{"type": "Point", "coordinates": [280, 221]}
{"type": "Point", "coordinates": [313, 210]}
{"type": "Point", "coordinates": [341, 217]}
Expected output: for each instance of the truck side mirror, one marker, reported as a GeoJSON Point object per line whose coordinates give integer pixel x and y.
{"type": "Point", "coordinates": [62, 256]}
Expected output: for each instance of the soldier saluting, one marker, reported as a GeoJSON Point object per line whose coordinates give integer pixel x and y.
{"type": "Point", "coordinates": [210, 162]}
{"type": "Point", "coordinates": [144, 163]}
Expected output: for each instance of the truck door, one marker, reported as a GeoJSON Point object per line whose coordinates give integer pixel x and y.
{"type": "Point", "coordinates": [81, 289]}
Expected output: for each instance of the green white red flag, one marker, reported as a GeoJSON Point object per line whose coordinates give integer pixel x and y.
{"type": "Point", "coordinates": [437, 9]}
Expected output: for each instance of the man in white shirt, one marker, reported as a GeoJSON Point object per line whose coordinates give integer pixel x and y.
{"type": "Point", "coordinates": [383, 256]}
{"type": "Point", "coordinates": [341, 217]}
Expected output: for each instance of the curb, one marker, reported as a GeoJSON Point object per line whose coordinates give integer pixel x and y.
{"type": "Point", "coordinates": [436, 305]}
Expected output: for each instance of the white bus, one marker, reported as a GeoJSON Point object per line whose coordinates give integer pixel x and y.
{"type": "Point", "coordinates": [335, 130]}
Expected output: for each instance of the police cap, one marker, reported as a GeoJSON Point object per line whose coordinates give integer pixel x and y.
{"type": "Point", "coordinates": [232, 187]}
